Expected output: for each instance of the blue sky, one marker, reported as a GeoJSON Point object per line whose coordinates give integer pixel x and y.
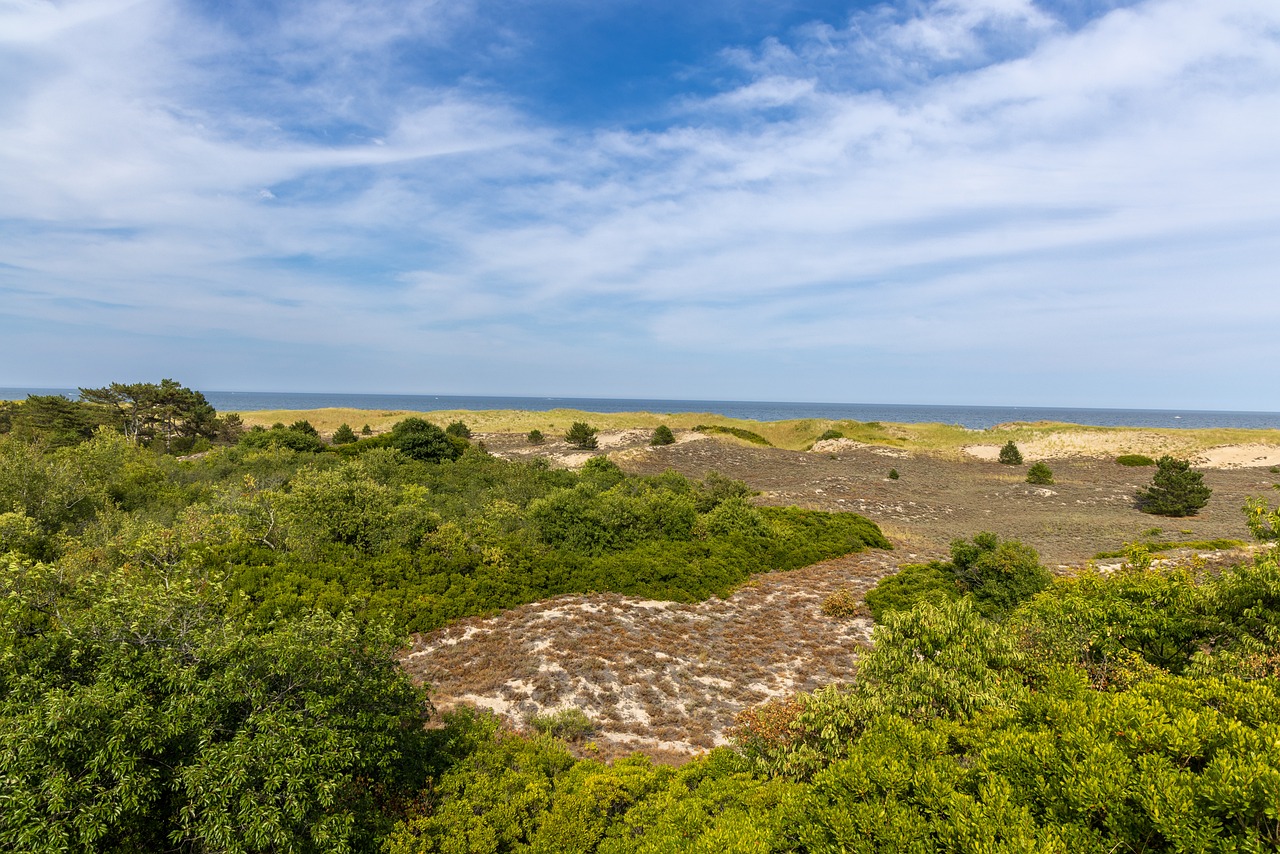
{"type": "Point", "coordinates": [1062, 203]}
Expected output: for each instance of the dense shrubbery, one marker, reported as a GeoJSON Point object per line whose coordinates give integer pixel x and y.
{"type": "Point", "coordinates": [192, 658]}
{"type": "Point", "coordinates": [999, 575]}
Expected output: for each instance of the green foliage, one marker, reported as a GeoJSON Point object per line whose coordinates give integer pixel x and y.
{"type": "Point", "coordinates": [581, 436]}
{"type": "Point", "coordinates": [893, 474]}
{"type": "Point", "coordinates": [1176, 490]}
{"type": "Point", "coordinates": [1135, 460]}
{"type": "Point", "coordinates": [1154, 547]}
{"type": "Point", "coordinates": [1263, 521]}
{"type": "Point", "coordinates": [459, 429]}
{"type": "Point", "coordinates": [280, 436]}
{"type": "Point", "coordinates": [1039, 473]}
{"type": "Point", "coordinates": [830, 434]}
{"type": "Point", "coordinates": [571, 724]}
{"type": "Point", "coordinates": [737, 432]}
{"type": "Point", "coordinates": [366, 430]}
{"type": "Point", "coordinates": [535, 437]}
{"type": "Point", "coordinates": [1000, 575]}
{"type": "Point", "coordinates": [134, 717]}
{"type": "Point", "coordinates": [421, 440]}
{"type": "Point", "coordinates": [662, 435]}
{"type": "Point", "coordinates": [911, 585]}
{"type": "Point", "coordinates": [1010, 455]}
{"type": "Point", "coordinates": [166, 413]}
{"type": "Point", "coordinates": [344, 435]}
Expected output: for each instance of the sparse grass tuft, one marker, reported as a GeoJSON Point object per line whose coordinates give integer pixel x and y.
{"type": "Point", "coordinates": [1135, 460]}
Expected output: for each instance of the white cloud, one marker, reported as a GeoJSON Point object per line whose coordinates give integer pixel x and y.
{"type": "Point", "coordinates": [901, 188]}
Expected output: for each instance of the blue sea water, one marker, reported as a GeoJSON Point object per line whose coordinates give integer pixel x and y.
{"type": "Point", "coordinates": [973, 417]}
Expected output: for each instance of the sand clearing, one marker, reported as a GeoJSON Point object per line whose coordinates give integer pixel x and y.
{"type": "Point", "coordinates": [1155, 445]}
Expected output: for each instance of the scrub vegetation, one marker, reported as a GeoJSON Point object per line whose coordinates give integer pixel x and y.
{"type": "Point", "coordinates": [200, 623]}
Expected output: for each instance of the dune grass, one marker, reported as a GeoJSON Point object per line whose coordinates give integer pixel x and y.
{"type": "Point", "coordinates": [796, 435]}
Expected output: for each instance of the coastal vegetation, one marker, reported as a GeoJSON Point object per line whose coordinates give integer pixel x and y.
{"type": "Point", "coordinates": [200, 621]}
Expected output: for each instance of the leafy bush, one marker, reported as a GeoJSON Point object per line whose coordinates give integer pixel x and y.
{"type": "Point", "coordinates": [366, 430]}
{"type": "Point", "coordinates": [459, 429]}
{"type": "Point", "coordinates": [1000, 575]}
{"type": "Point", "coordinates": [571, 724]}
{"type": "Point", "coordinates": [1039, 473]}
{"type": "Point", "coordinates": [1010, 455]}
{"type": "Point", "coordinates": [893, 474]}
{"type": "Point", "coordinates": [911, 585]}
{"type": "Point", "coordinates": [582, 436]}
{"type": "Point", "coordinates": [738, 432]}
{"type": "Point", "coordinates": [421, 440]}
{"type": "Point", "coordinates": [535, 437]}
{"type": "Point", "coordinates": [344, 435]}
{"type": "Point", "coordinates": [1135, 460]}
{"type": "Point", "coordinates": [845, 604]}
{"type": "Point", "coordinates": [662, 435]}
{"type": "Point", "coordinates": [1176, 490]}
{"type": "Point", "coordinates": [830, 434]}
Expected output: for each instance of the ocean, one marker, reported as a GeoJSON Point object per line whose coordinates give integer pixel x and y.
{"type": "Point", "coordinates": [973, 417]}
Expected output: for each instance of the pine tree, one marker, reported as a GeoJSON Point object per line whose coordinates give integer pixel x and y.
{"type": "Point", "coordinates": [1175, 490]}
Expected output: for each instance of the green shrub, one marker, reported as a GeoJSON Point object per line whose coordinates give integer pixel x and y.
{"type": "Point", "coordinates": [422, 440]}
{"type": "Point", "coordinates": [738, 432]}
{"type": "Point", "coordinates": [845, 604]}
{"type": "Point", "coordinates": [582, 436]}
{"type": "Point", "coordinates": [535, 437]}
{"type": "Point", "coordinates": [1135, 460]}
{"type": "Point", "coordinates": [571, 724]}
{"type": "Point", "coordinates": [1039, 473]}
{"type": "Point", "coordinates": [1010, 455]}
{"type": "Point", "coordinates": [830, 434]}
{"type": "Point", "coordinates": [459, 429]}
{"type": "Point", "coordinates": [366, 430]}
{"type": "Point", "coordinates": [893, 474]}
{"type": "Point", "coordinates": [1000, 575]}
{"type": "Point", "coordinates": [1176, 490]}
{"type": "Point", "coordinates": [344, 435]}
{"type": "Point", "coordinates": [304, 426]}
{"type": "Point", "coordinates": [909, 586]}
{"type": "Point", "coordinates": [662, 435]}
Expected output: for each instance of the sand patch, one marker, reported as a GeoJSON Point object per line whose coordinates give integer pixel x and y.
{"type": "Point", "coordinates": [836, 446]}
{"type": "Point", "coordinates": [1238, 457]}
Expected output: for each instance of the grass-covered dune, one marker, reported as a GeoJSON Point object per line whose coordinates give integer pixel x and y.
{"type": "Point", "coordinates": [800, 434]}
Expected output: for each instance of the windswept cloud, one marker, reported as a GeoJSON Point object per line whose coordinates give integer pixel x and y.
{"type": "Point", "coordinates": [968, 182]}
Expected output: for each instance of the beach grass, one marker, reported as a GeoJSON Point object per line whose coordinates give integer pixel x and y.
{"type": "Point", "coordinates": [797, 434]}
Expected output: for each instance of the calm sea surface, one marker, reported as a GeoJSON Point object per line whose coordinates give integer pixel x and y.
{"type": "Point", "coordinates": [976, 417]}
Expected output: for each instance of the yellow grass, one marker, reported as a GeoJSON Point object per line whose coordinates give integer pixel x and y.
{"type": "Point", "coordinates": [945, 439]}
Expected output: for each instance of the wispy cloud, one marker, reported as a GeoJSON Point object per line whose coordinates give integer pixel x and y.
{"type": "Point", "coordinates": [937, 201]}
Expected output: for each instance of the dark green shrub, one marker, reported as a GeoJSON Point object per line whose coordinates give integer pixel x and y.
{"type": "Point", "coordinates": [344, 435]}
{"type": "Point", "coordinates": [535, 437]}
{"type": "Point", "coordinates": [1000, 575]}
{"type": "Point", "coordinates": [830, 434]}
{"type": "Point", "coordinates": [366, 430]}
{"type": "Point", "coordinates": [662, 435]}
{"type": "Point", "coordinates": [1135, 460]}
{"type": "Point", "coordinates": [422, 440]}
{"type": "Point", "coordinates": [1176, 490]}
{"type": "Point", "coordinates": [893, 474]}
{"type": "Point", "coordinates": [459, 429]}
{"type": "Point", "coordinates": [1010, 455]}
{"type": "Point", "coordinates": [582, 436]}
{"type": "Point", "coordinates": [304, 426]}
{"type": "Point", "coordinates": [911, 585]}
{"type": "Point", "coordinates": [1039, 473]}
